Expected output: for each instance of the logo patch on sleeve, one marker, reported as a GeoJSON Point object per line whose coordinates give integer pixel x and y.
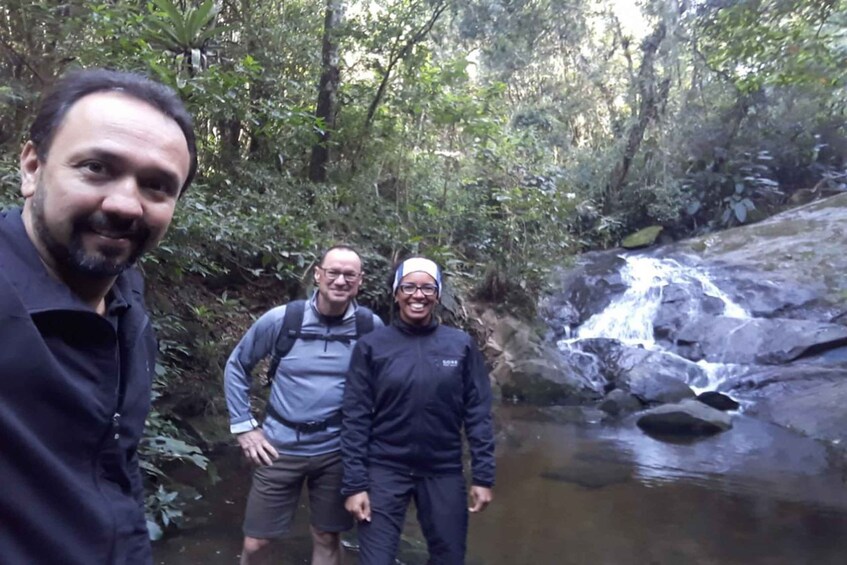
{"type": "Point", "coordinates": [449, 363]}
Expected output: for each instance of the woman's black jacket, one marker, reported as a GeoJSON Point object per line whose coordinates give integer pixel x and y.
{"type": "Point", "coordinates": [409, 392]}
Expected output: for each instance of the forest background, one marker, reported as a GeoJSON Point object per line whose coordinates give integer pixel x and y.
{"type": "Point", "coordinates": [499, 137]}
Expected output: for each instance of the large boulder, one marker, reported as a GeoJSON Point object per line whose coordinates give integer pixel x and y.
{"type": "Point", "coordinates": [687, 418]}
{"type": "Point", "coordinates": [528, 368]}
{"type": "Point", "coordinates": [661, 389]}
{"type": "Point", "coordinates": [619, 402]}
{"type": "Point", "coordinates": [652, 374]}
{"type": "Point", "coordinates": [537, 381]}
{"type": "Point", "coordinates": [717, 400]}
{"type": "Point", "coordinates": [817, 410]}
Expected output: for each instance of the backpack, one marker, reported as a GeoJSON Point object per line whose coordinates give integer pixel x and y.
{"type": "Point", "coordinates": [291, 331]}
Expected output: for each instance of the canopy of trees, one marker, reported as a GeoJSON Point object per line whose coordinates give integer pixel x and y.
{"type": "Point", "coordinates": [510, 132]}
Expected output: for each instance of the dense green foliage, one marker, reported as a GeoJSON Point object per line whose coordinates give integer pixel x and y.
{"type": "Point", "coordinates": [497, 136]}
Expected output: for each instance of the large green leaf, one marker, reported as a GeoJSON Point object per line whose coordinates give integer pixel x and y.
{"type": "Point", "coordinates": [199, 18]}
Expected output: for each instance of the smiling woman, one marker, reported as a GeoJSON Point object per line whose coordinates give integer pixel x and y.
{"type": "Point", "coordinates": [416, 298]}
{"type": "Point", "coordinates": [404, 415]}
{"type": "Point", "coordinates": [417, 285]}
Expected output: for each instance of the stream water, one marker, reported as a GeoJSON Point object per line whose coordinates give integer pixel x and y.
{"type": "Point", "coordinates": [597, 494]}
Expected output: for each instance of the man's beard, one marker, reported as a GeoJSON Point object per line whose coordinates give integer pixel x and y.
{"type": "Point", "coordinates": [74, 256]}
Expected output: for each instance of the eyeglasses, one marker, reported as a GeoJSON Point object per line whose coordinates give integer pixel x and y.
{"type": "Point", "coordinates": [332, 274]}
{"type": "Point", "coordinates": [412, 288]}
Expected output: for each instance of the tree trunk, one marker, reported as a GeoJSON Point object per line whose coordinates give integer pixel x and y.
{"type": "Point", "coordinates": [230, 135]}
{"type": "Point", "coordinates": [651, 95]}
{"type": "Point", "coordinates": [327, 89]}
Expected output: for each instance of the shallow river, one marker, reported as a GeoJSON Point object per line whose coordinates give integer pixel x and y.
{"type": "Point", "coordinates": [598, 494]}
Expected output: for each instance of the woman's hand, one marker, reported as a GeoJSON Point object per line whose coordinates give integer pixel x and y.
{"type": "Point", "coordinates": [480, 498]}
{"type": "Point", "coordinates": [359, 505]}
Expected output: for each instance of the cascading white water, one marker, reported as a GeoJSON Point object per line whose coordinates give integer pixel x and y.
{"type": "Point", "coordinates": [715, 374]}
{"type": "Point", "coordinates": [629, 318]}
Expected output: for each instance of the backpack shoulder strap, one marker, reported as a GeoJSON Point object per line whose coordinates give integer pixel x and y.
{"type": "Point", "coordinates": [364, 321]}
{"type": "Point", "coordinates": [288, 334]}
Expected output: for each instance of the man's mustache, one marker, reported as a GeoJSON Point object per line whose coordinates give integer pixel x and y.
{"type": "Point", "coordinates": [116, 227]}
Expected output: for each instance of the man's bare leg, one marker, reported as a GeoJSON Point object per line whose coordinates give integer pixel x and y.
{"type": "Point", "coordinates": [255, 551]}
{"type": "Point", "coordinates": [326, 548]}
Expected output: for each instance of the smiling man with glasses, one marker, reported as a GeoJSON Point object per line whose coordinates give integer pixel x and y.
{"type": "Point", "coordinates": [309, 343]}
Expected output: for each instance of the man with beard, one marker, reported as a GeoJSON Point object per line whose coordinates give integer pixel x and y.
{"type": "Point", "coordinates": [108, 157]}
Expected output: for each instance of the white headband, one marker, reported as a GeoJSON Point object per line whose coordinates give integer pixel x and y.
{"type": "Point", "coordinates": [414, 265]}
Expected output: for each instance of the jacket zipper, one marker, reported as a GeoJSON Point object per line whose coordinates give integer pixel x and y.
{"type": "Point", "coordinates": [113, 431]}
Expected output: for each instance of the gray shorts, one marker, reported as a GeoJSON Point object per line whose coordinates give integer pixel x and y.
{"type": "Point", "coordinates": [276, 490]}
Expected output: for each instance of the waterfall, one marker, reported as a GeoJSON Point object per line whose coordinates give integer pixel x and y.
{"type": "Point", "coordinates": [629, 318]}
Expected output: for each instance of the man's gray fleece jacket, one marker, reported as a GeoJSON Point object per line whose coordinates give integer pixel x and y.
{"type": "Point", "coordinates": [308, 385]}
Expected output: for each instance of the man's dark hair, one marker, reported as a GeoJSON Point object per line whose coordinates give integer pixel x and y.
{"type": "Point", "coordinates": [342, 246]}
{"type": "Point", "coordinates": [73, 86]}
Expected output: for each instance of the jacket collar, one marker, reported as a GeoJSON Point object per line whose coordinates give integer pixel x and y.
{"type": "Point", "coordinates": [415, 330]}
{"type": "Point", "coordinates": [332, 320]}
{"type": "Point", "coordinates": [37, 289]}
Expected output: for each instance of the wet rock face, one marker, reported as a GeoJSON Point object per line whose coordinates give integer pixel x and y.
{"type": "Point", "coordinates": [809, 398]}
{"type": "Point", "coordinates": [816, 409]}
{"type": "Point", "coordinates": [680, 303]}
{"type": "Point", "coordinates": [585, 289]}
{"type": "Point", "coordinates": [756, 340]}
{"type": "Point", "coordinates": [655, 376]}
{"type": "Point", "coordinates": [771, 294]}
{"type": "Point", "coordinates": [791, 262]}
{"type": "Point", "coordinates": [651, 375]}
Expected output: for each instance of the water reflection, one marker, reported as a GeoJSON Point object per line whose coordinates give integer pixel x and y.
{"type": "Point", "coordinates": [754, 457]}
{"type": "Point", "coordinates": [594, 494]}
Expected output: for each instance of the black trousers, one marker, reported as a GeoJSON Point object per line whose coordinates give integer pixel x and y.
{"type": "Point", "coordinates": [442, 512]}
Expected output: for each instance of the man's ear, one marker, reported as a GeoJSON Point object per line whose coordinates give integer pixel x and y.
{"type": "Point", "coordinates": [30, 168]}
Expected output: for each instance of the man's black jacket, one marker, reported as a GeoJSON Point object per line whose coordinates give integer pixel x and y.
{"type": "Point", "coordinates": [71, 491]}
